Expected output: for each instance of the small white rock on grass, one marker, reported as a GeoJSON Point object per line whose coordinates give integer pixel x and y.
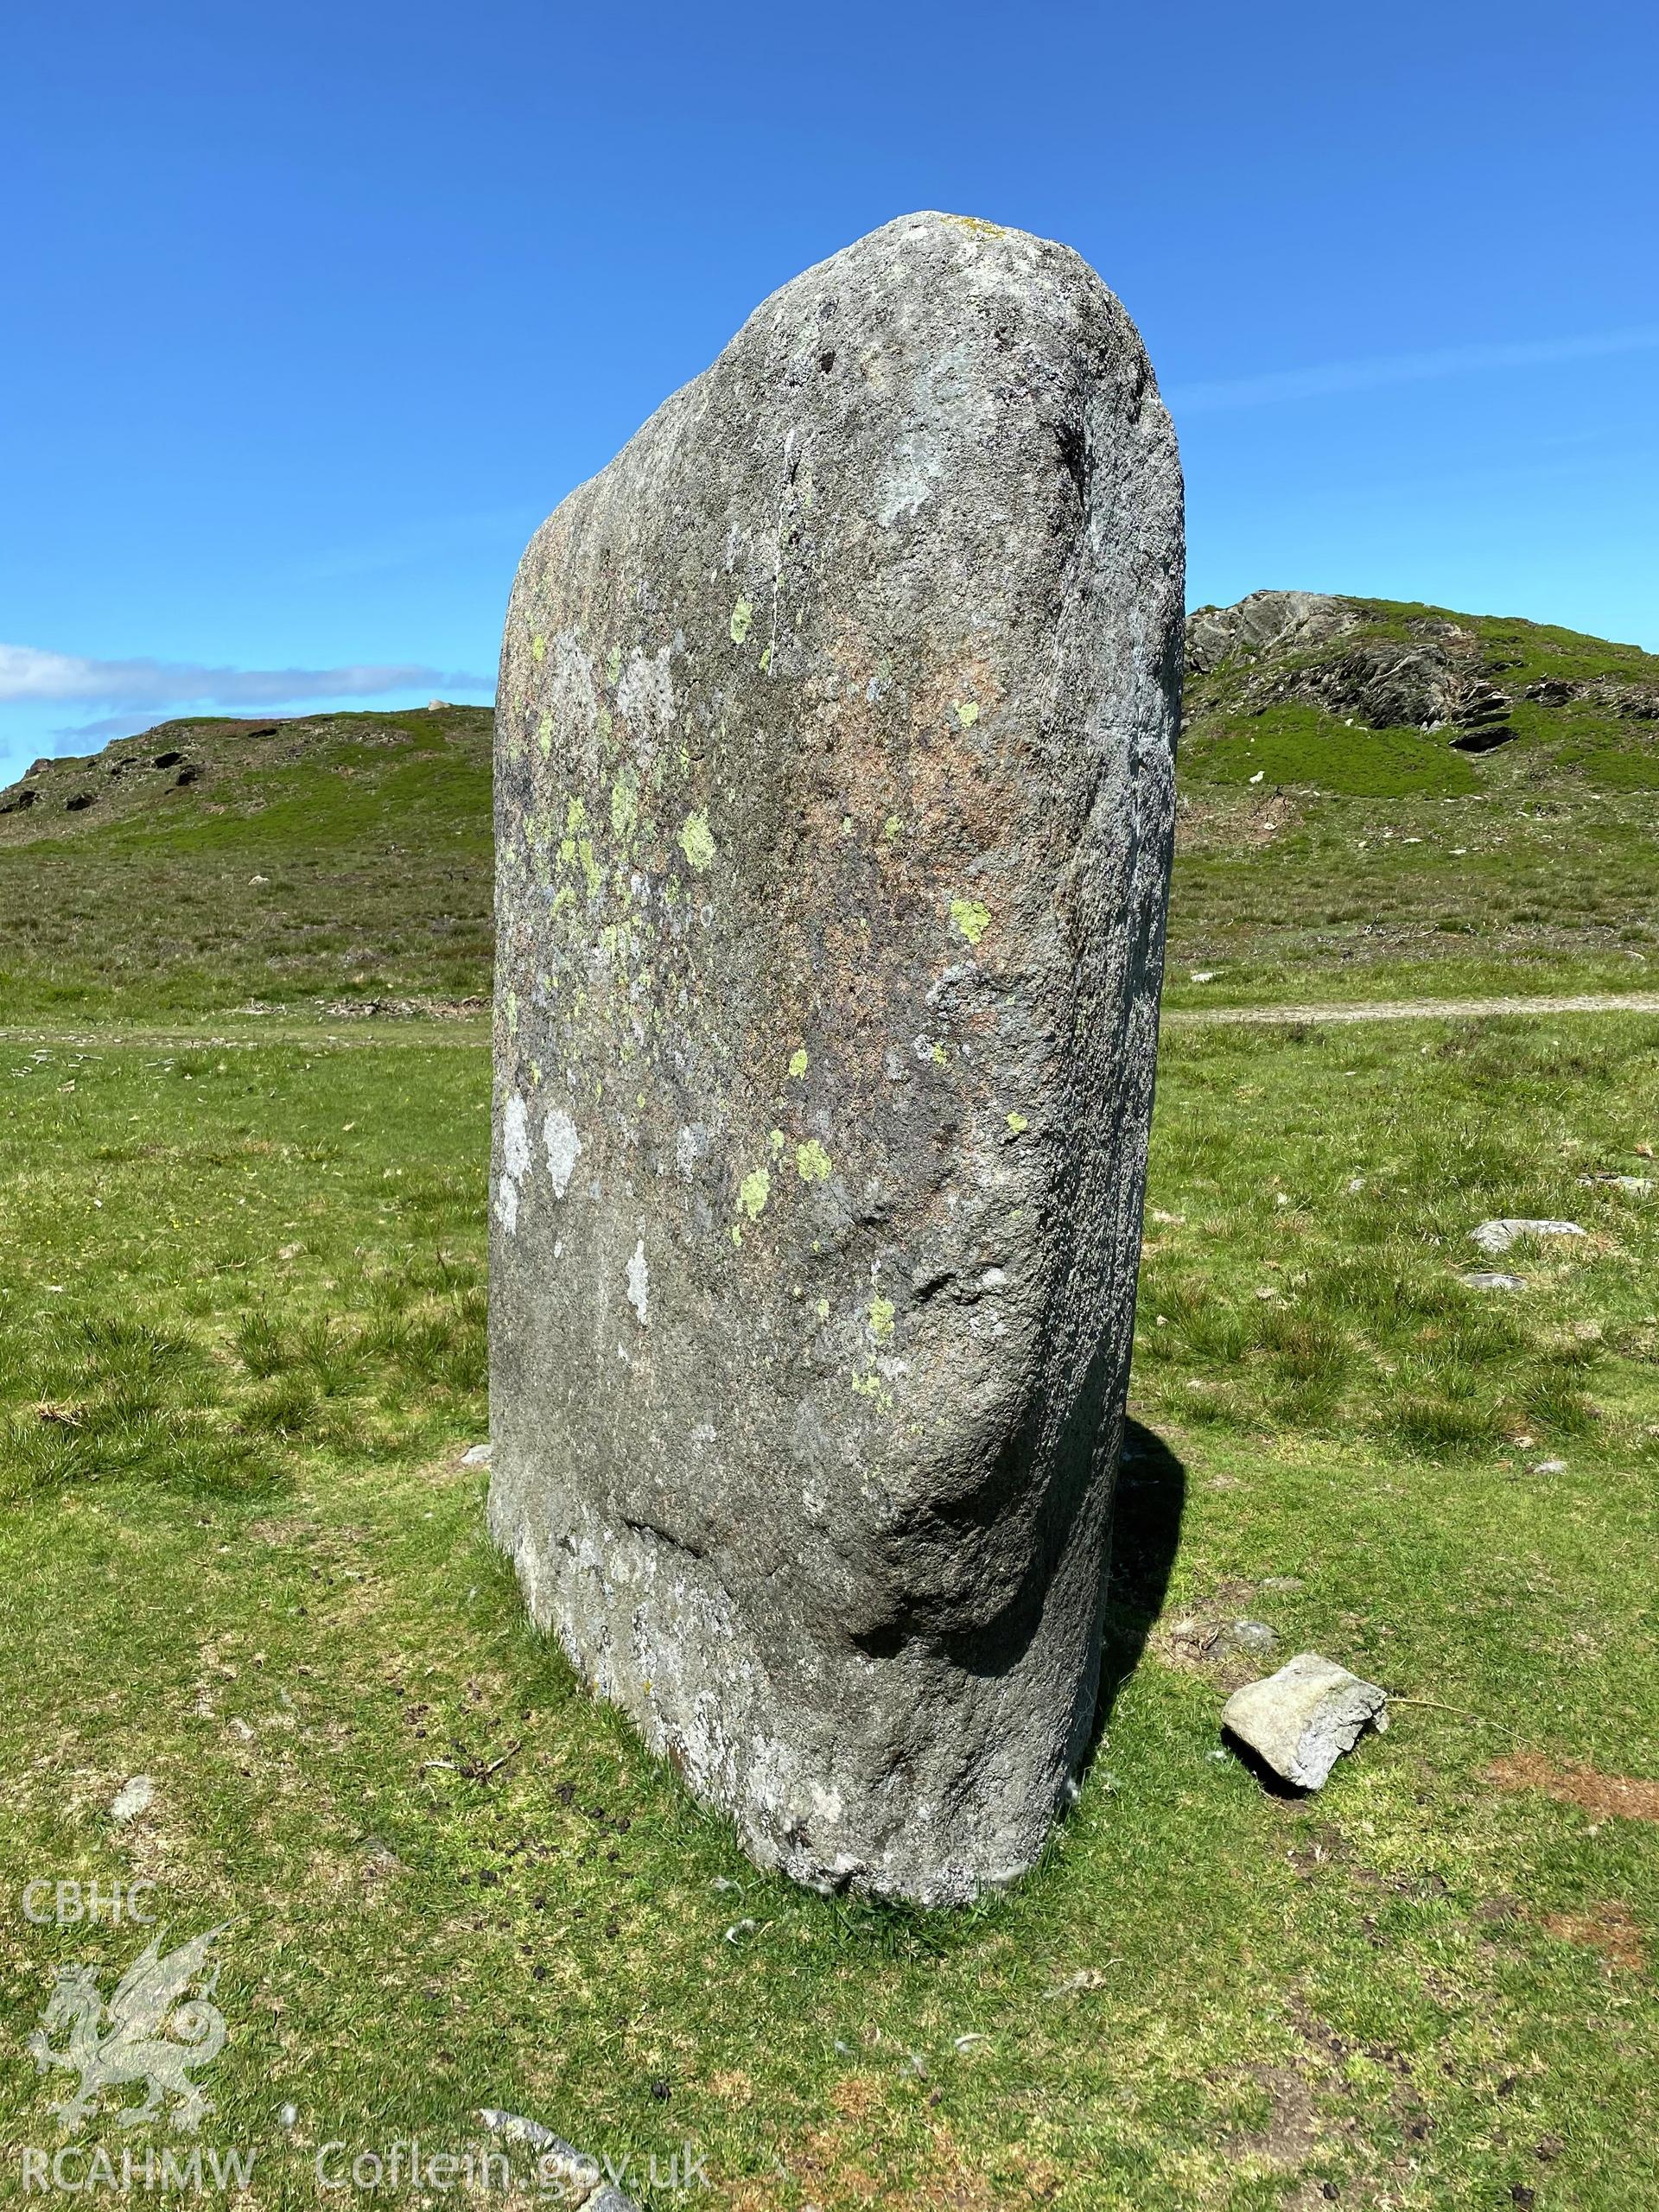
{"type": "Point", "coordinates": [478, 1455]}
{"type": "Point", "coordinates": [133, 1797]}
{"type": "Point", "coordinates": [1496, 1236]}
{"type": "Point", "coordinates": [1301, 1720]}
{"type": "Point", "coordinates": [578, 2179]}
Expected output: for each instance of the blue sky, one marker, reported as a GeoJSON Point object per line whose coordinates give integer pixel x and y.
{"type": "Point", "coordinates": [316, 310]}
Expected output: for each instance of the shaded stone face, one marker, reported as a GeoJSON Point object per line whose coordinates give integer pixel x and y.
{"type": "Point", "coordinates": [834, 772]}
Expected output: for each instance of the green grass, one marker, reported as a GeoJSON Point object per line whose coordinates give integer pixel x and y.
{"type": "Point", "coordinates": [242, 1349]}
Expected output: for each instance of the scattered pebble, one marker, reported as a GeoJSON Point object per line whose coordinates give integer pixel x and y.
{"type": "Point", "coordinates": [1491, 1278]}
{"type": "Point", "coordinates": [477, 1455]}
{"type": "Point", "coordinates": [1203, 976]}
{"type": "Point", "coordinates": [1635, 1186]}
{"type": "Point", "coordinates": [1254, 1637]}
{"type": "Point", "coordinates": [1301, 1720]}
{"type": "Point", "coordinates": [1497, 1235]}
{"type": "Point", "coordinates": [577, 2178]}
{"type": "Point", "coordinates": [132, 1798]}
{"type": "Point", "coordinates": [1549, 1467]}
{"type": "Point", "coordinates": [288, 2116]}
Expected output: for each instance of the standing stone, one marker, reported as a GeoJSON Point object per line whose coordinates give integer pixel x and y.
{"type": "Point", "coordinates": [834, 772]}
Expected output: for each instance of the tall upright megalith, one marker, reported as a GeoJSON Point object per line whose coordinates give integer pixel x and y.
{"type": "Point", "coordinates": [834, 787]}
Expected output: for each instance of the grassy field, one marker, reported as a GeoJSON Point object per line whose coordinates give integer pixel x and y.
{"type": "Point", "coordinates": [243, 1351]}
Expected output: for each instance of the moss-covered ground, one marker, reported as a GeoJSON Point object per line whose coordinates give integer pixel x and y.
{"type": "Point", "coordinates": [242, 1351]}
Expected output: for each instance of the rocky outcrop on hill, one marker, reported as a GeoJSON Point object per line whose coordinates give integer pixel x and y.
{"type": "Point", "coordinates": [1363, 663]}
{"type": "Point", "coordinates": [1267, 621]}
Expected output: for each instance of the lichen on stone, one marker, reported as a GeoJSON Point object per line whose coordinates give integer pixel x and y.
{"type": "Point", "coordinates": [970, 918]}
{"type": "Point", "coordinates": [754, 1191]}
{"type": "Point", "coordinates": [696, 841]}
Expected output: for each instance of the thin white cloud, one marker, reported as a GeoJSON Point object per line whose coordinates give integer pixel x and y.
{"type": "Point", "coordinates": [31, 676]}
{"type": "Point", "coordinates": [1331, 378]}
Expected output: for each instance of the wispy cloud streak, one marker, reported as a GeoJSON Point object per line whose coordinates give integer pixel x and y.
{"type": "Point", "coordinates": [29, 676]}
{"type": "Point", "coordinates": [1333, 377]}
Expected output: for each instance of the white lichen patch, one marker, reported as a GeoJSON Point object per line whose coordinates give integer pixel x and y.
{"type": "Point", "coordinates": [640, 1282]}
{"type": "Point", "coordinates": [515, 1162]}
{"type": "Point", "coordinates": [645, 692]}
{"type": "Point", "coordinates": [515, 1139]}
{"type": "Point", "coordinates": [908, 480]}
{"type": "Point", "coordinates": [563, 1148]}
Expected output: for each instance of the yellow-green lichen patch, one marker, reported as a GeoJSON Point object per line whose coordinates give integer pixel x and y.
{"type": "Point", "coordinates": [766, 660]}
{"type": "Point", "coordinates": [938, 1055]}
{"type": "Point", "coordinates": [1018, 1123]}
{"type": "Point", "coordinates": [604, 725]}
{"type": "Point", "coordinates": [967, 711]}
{"type": "Point", "coordinates": [882, 1317]}
{"type": "Point", "coordinates": [812, 1162]}
{"type": "Point", "coordinates": [545, 735]}
{"type": "Point", "coordinates": [538, 647]}
{"type": "Point", "coordinates": [776, 1140]}
{"type": "Point", "coordinates": [614, 665]}
{"type": "Point", "coordinates": [822, 1309]}
{"type": "Point", "coordinates": [892, 827]}
{"type": "Point", "coordinates": [696, 841]}
{"type": "Point", "coordinates": [754, 1191]}
{"type": "Point", "coordinates": [742, 615]}
{"type": "Point", "coordinates": [797, 1061]}
{"type": "Point", "coordinates": [970, 917]}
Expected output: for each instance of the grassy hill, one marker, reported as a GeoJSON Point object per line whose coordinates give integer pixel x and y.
{"type": "Point", "coordinates": [1376, 798]}
{"type": "Point", "coordinates": [210, 864]}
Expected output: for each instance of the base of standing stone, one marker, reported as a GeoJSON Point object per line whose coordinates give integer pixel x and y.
{"type": "Point", "coordinates": [970, 1769]}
